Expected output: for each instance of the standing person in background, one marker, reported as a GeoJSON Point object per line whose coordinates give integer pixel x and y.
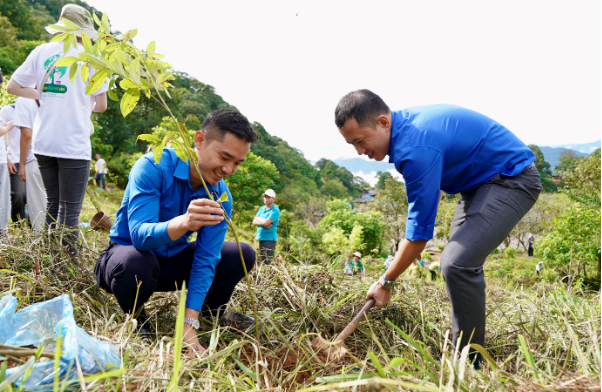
{"type": "Point", "coordinates": [18, 192]}
{"type": "Point", "coordinates": [25, 118]}
{"type": "Point", "coordinates": [531, 241]}
{"type": "Point", "coordinates": [62, 142]}
{"type": "Point", "coordinates": [101, 169]}
{"type": "Point", "coordinates": [266, 221]}
{"type": "Point", "coordinates": [5, 127]}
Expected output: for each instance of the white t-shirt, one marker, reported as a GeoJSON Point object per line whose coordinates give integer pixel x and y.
{"type": "Point", "coordinates": [65, 109]}
{"type": "Point", "coordinates": [7, 113]}
{"type": "Point", "coordinates": [26, 111]}
{"type": "Point", "coordinates": [101, 166]}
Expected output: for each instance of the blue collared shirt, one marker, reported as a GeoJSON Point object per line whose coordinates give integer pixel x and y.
{"type": "Point", "coordinates": [155, 194]}
{"type": "Point", "coordinates": [450, 148]}
{"type": "Point", "coordinates": [271, 233]}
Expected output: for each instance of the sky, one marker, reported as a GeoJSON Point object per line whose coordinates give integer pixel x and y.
{"type": "Point", "coordinates": [534, 66]}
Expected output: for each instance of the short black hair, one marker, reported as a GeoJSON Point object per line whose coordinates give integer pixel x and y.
{"type": "Point", "coordinates": [220, 121]}
{"type": "Point", "coordinates": [363, 105]}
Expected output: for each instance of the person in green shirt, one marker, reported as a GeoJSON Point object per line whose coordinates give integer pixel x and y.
{"type": "Point", "coordinates": [356, 264]}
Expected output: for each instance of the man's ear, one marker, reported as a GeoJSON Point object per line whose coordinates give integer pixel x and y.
{"type": "Point", "coordinates": [383, 121]}
{"type": "Point", "coordinates": [199, 138]}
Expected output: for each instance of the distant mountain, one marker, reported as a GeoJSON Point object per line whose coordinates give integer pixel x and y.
{"type": "Point", "coordinates": [552, 154]}
{"type": "Point", "coordinates": [356, 165]}
{"type": "Point", "coordinates": [586, 148]}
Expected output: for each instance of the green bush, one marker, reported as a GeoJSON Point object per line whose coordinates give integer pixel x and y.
{"type": "Point", "coordinates": [119, 168]}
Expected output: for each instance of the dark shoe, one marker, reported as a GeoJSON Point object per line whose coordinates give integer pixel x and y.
{"type": "Point", "coordinates": [236, 320]}
{"type": "Point", "coordinates": [145, 329]}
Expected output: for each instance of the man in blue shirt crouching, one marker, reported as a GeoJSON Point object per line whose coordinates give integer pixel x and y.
{"type": "Point", "coordinates": [163, 204]}
{"type": "Point", "coordinates": [456, 150]}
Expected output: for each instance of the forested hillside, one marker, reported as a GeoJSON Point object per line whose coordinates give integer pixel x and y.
{"type": "Point", "coordinates": [22, 26]}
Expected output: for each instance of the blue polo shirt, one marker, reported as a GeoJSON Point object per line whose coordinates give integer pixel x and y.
{"type": "Point", "coordinates": [264, 234]}
{"type": "Point", "coordinates": [450, 148]}
{"type": "Point", "coordinates": [157, 193]}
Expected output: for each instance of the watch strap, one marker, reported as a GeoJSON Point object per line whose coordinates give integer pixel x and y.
{"type": "Point", "coordinates": [387, 284]}
{"type": "Point", "coordinates": [192, 322]}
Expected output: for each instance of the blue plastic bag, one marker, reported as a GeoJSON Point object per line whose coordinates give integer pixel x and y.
{"type": "Point", "coordinates": [39, 325]}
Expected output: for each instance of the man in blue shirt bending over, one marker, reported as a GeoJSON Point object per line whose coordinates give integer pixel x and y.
{"type": "Point", "coordinates": [449, 148]}
{"type": "Point", "coordinates": [163, 204]}
{"type": "Point", "coordinates": [266, 221]}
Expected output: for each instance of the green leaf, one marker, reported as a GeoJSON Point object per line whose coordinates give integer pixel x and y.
{"type": "Point", "coordinates": [96, 81]}
{"type": "Point", "coordinates": [134, 70]}
{"type": "Point", "coordinates": [73, 40]}
{"type": "Point", "coordinates": [66, 61]}
{"type": "Point", "coordinates": [130, 35]}
{"type": "Point", "coordinates": [126, 84]}
{"type": "Point", "coordinates": [164, 77]}
{"type": "Point", "coordinates": [377, 364]}
{"type": "Point", "coordinates": [149, 138]}
{"type": "Point", "coordinates": [168, 137]}
{"type": "Point", "coordinates": [122, 56]}
{"type": "Point", "coordinates": [150, 49]}
{"type": "Point", "coordinates": [485, 355]}
{"type": "Point", "coordinates": [396, 362]}
{"type": "Point", "coordinates": [111, 91]}
{"type": "Point", "coordinates": [66, 43]}
{"type": "Point", "coordinates": [115, 65]}
{"type": "Point", "coordinates": [59, 37]}
{"type": "Point", "coordinates": [98, 22]}
{"type": "Point", "coordinates": [101, 45]}
{"type": "Point", "coordinates": [70, 25]}
{"type": "Point", "coordinates": [157, 153]}
{"type": "Point", "coordinates": [73, 72]}
{"type": "Point", "coordinates": [59, 28]}
{"type": "Point", "coordinates": [223, 197]}
{"type": "Point", "coordinates": [105, 24]}
{"type": "Point", "coordinates": [85, 72]}
{"type": "Point", "coordinates": [87, 43]}
{"type": "Point", "coordinates": [154, 64]}
{"type": "Point", "coordinates": [129, 101]}
{"type": "Point", "coordinates": [158, 56]}
{"type": "Point", "coordinates": [181, 151]}
{"type": "Point", "coordinates": [93, 61]}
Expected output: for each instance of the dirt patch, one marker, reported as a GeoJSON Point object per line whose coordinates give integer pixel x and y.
{"type": "Point", "coordinates": [304, 363]}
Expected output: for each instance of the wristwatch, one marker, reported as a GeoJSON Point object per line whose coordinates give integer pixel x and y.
{"type": "Point", "coordinates": [387, 284]}
{"type": "Point", "coordinates": [192, 322]}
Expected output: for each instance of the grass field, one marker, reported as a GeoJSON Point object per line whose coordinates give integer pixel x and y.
{"type": "Point", "coordinates": [540, 335]}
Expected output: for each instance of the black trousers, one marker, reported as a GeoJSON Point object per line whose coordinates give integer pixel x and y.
{"type": "Point", "coordinates": [18, 197]}
{"type": "Point", "coordinates": [120, 268]}
{"type": "Point", "coordinates": [266, 251]}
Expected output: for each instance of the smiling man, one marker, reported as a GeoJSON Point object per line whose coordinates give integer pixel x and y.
{"type": "Point", "coordinates": [449, 148]}
{"type": "Point", "coordinates": [163, 204]}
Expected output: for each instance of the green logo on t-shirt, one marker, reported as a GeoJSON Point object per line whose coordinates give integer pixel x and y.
{"type": "Point", "coordinates": [53, 84]}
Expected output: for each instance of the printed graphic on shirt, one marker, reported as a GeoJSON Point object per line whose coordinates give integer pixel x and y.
{"type": "Point", "coordinates": [53, 85]}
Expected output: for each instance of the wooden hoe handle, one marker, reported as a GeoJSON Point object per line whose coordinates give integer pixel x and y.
{"type": "Point", "coordinates": [353, 324]}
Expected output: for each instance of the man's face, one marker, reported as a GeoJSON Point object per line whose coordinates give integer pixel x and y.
{"type": "Point", "coordinates": [356, 258]}
{"type": "Point", "coordinates": [373, 142]}
{"type": "Point", "coordinates": [97, 156]}
{"type": "Point", "coordinates": [269, 201]}
{"type": "Point", "coordinates": [219, 159]}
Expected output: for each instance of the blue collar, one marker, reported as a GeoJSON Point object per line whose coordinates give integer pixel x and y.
{"type": "Point", "coordinates": [398, 120]}
{"type": "Point", "coordinates": [182, 170]}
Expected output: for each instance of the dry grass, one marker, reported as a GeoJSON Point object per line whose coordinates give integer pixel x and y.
{"type": "Point", "coordinates": [403, 346]}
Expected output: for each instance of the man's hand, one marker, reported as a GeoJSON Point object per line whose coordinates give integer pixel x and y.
{"type": "Point", "coordinates": [22, 172]}
{"type": "Point", "coordinates": [191, 341]}
{"type": "Point", "coordinates": [201, 212]}
{"type": "Point", "coordinates": [12, 169]}
{"type": "Point", "coordinates": [381, 295]}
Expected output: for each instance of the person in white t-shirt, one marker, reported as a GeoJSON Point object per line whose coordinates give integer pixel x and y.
{"type": "Point", "coordinates": [101, 169]}
{"type": "Point", "coordinates": [62, 140]}
{"type": "Point", "coordinates": [18, 193]}
{"type": "Point", "coordinates": [5, 127]}
{"type": "Point", "coordinates": [26, 112]}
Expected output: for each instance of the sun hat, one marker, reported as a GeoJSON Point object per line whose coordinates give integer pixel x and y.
{"type": "Point", "coordinates": [78, 15]}
{"type": "Point", "coordinates": [270, 193]}
{"type": "Point", "coordinates": [358, 254]}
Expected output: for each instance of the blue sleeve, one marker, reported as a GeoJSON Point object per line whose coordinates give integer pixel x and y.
{"type": "Point", "coordinates": [422, 168]}
{"type": "Point", "coordinates": [146, 232]}
{"type": "Point", "coordinates": [274, 215]}
{"type": "Point", "coordinates": [208, 252]}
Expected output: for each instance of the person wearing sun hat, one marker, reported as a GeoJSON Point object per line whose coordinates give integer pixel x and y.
{"type": "Point", "coordinates": [266, 221]}
{"type": "Point", "coordinates": [62, 136]}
